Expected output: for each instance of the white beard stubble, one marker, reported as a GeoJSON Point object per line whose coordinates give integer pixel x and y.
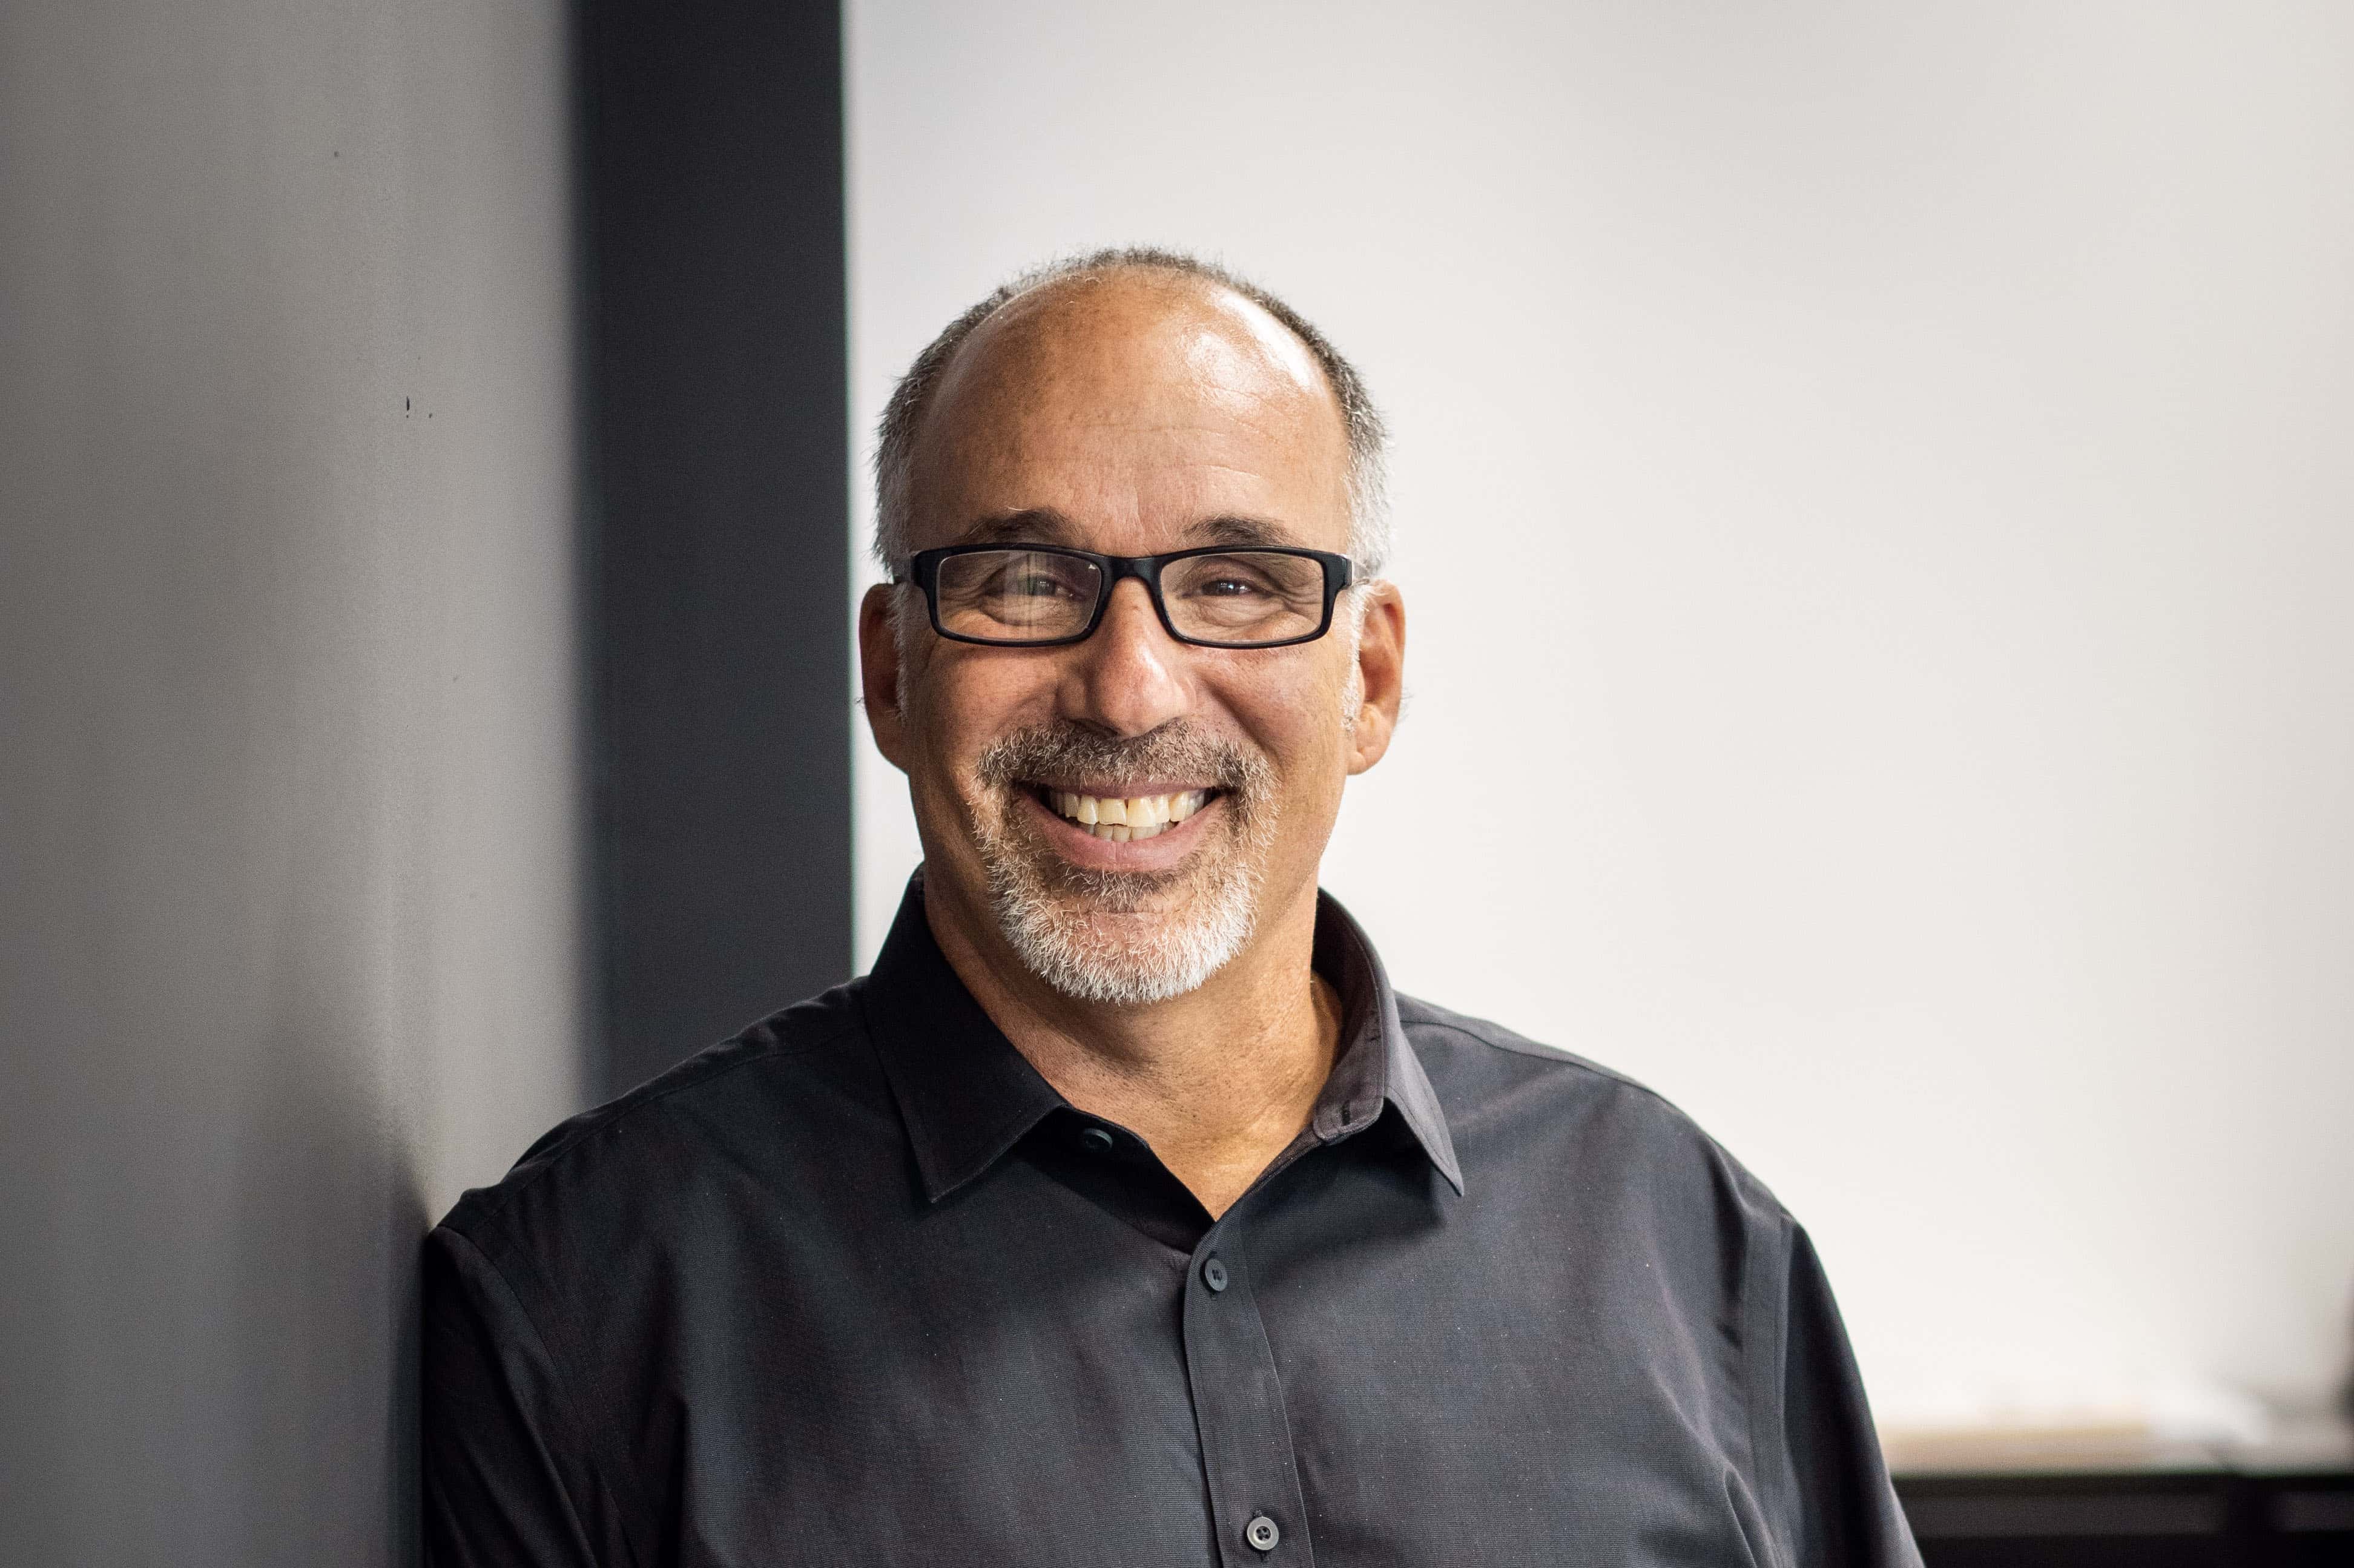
{"type": "Point", "coordinates": [1087, 933]}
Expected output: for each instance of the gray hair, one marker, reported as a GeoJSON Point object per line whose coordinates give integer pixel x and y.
{"type": "Point", "coordinates": [903, 417]}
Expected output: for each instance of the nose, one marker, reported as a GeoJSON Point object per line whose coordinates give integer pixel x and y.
{"type": "Point", "coordinates": [1126, 678]}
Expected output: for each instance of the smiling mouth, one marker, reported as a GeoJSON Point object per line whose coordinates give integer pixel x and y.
{"type": "Point", "coordinates": [1122, 819]}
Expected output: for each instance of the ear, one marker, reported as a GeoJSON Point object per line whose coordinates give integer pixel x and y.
{"type": "Point", "coordinates": [879, 673]}
{"type": "Point", "coordinates": [1381, 671]}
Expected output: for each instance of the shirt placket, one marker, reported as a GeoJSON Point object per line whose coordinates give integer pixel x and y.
{"type": "Point", "coordinates": [1253, 1478]}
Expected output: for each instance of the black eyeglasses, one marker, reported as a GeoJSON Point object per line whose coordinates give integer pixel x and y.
{"type": "Point", "coordinates": [1036, 595]}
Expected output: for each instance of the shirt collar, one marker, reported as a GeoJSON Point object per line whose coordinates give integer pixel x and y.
{"type": "Point", "coordinates": [967, 1096]}
{"type": "Point", "coordinates": [1377, 1066]}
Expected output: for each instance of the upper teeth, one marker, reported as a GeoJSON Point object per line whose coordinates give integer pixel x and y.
{"type": "Point", "coordinates": [1120, 819]}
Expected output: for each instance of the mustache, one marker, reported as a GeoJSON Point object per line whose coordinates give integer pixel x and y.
{"type": "Point", "coordinates": [1178, 750]}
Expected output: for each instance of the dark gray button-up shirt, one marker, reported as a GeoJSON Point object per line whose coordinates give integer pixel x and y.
{"type": "Point", "coordinates": [859, 1288]}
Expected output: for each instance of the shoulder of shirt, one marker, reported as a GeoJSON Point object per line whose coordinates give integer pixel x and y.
{"type": "Point", "coordinates": [1416, 1013]}
{"type": "Point", "coordinates": [1578, 1078]}
{"type": "Point", "coordinates": [805, 1030]}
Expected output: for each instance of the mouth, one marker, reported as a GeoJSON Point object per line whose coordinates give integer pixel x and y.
{"type": "Point", "coordinates": [1123, 819]}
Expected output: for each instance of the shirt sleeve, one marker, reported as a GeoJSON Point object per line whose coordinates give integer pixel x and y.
{"type": "Point", "coordinates": [503, 1466]}
{"type": "Point", "coordinates": [1844, 1511]}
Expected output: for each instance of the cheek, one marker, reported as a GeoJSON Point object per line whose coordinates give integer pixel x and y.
{"type": "Point", "coordinates": [961, 705]}
{"type": "Point", "coordinates": [1297, 724]}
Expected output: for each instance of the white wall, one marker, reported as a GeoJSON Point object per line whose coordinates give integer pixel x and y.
{"type": "Point", "coordinates": [286, 805]}
{"type": "Point", "coordinates": [1876, 509]}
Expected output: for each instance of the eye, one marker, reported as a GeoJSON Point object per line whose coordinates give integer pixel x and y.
{"type": "Point", "coordinates": [1032, 581]}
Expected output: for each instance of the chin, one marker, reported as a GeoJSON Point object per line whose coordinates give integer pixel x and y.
{"type": "Point", "coordinates": [1123, 939]}
{"type": "Point", "coordinates": [1073, 952]}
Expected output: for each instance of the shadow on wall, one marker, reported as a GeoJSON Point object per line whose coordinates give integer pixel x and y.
{"type": "Point", "coordinates": [326, 1225]}
{"type": "Point", "coordinates": [331, 1412]}
{"type": "Point", "coordinates": [2346, 1386]}
{"type": "Point", "coordinates": [400, 1480]}
{"type": "Point", "coordinates": [210, 1335]}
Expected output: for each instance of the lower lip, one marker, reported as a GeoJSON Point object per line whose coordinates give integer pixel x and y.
{"type": "Point", "coordinates": [1081, 847]}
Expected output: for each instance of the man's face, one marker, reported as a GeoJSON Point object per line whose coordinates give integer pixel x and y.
{"type": "Point", "coordinates": [1132, 415]}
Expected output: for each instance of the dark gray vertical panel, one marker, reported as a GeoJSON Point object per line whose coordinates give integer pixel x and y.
{"type": "Point", "coordinates": [717, 460]}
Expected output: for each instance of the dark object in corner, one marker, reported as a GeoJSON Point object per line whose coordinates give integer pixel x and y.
{"type": "Point", "coordinates": [2284, 1504]}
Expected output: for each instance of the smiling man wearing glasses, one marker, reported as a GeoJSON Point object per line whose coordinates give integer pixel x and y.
{"type": "Point", "coordinates": [1124, 1214]}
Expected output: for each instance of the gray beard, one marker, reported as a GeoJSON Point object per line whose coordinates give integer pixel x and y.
{"type": "Point", "coordinates": [1127, 938]}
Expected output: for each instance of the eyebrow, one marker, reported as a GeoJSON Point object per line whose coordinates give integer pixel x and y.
{"type": "Point", "coordinates": [1243, 532]}
{"type": "Point", "coordinates": [1032, 525]}
{"type": "Point", "coordinates": [1044, 525]}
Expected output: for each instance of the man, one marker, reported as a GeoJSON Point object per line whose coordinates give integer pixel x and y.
{"type": "Point", "coordinates": [1124, 1215]}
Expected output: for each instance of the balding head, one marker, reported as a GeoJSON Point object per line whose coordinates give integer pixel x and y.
{"type": "Point", "coordinates": [1106, 331]}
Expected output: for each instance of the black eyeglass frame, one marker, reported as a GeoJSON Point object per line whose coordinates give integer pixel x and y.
{"type": "Point", "coordinates": [924, 571]}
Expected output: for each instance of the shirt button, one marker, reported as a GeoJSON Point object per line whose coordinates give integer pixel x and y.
{"type": "Point", "coordinates": [1262, 1533]}
{"type": "Point", "coordinates": [1096, 1141]}
{"type": "Point", "coordinates": [1213, 1274]}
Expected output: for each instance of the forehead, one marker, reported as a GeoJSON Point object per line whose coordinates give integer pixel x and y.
{"type": "Point", "coordinates": [1138, 406]}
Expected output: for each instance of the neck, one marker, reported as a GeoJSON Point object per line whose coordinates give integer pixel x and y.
{"type": "Point", "coordinates": [1218, 1081]}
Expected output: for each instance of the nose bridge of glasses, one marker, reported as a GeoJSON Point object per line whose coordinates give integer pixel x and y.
{"type": "Point", "coordinates": [1131, 576]}
{"type": "Point", "coordinates": [1123, 569]}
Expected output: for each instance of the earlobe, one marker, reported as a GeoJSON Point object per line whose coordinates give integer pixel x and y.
{"type": "Point", "coordinates": [1371, 742]}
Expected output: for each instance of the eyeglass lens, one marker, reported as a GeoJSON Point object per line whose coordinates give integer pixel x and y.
{"type": "Point", "coordinates": [1239, 597]}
